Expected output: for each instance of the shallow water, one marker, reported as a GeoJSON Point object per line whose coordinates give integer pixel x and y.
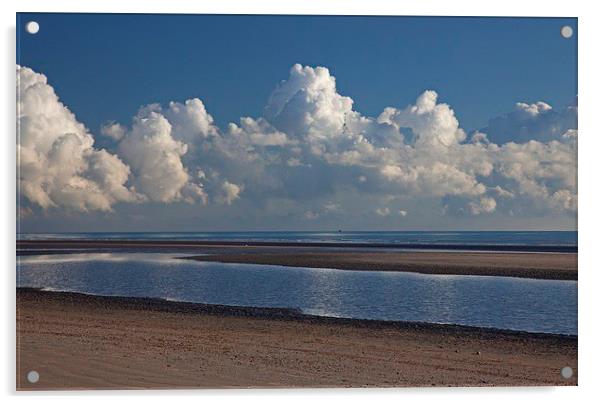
{"type": "Point", "coordinates": [500, 302]}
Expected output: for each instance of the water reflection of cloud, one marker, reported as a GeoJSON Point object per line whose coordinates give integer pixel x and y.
{"type": "Point", "coordinates": [156, 258]}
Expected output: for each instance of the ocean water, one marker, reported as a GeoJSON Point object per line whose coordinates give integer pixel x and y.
{"type": "Point", "coordinates": [547, 306]}
{"type": "Point", "coordinates": [493, 238]}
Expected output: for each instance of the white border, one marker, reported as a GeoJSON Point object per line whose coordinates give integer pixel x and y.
{"type": "Point", "coordinates": [590, 134]}
{"type": "Point", "coordinates": [552, 8]}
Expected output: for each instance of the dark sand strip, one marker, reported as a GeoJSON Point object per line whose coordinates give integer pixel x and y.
{"type": "Point", "coordinates": [77, 341]}
{"type": "Point", "coordinates": [521, 265]}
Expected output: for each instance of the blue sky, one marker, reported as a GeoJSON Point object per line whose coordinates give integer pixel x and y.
{"type": "Point", "coordinates": [104, 67]}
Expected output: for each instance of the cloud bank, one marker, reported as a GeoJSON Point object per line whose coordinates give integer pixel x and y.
{"type": "Point", "coordinates": [309, 145]}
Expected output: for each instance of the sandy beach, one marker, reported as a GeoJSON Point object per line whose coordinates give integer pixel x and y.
{"type": "Point", "coordinates": [77, 341]}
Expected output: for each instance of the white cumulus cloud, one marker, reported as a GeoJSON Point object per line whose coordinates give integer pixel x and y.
{"type": "Point", "coordinates": [155, 158]}
{"type": "Point", "coordinates": [58, 164]}
{"type": "Point", "coordinates": [309, 146]}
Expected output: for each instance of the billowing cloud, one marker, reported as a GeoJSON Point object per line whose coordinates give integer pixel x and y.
{"type": "Point", "coordinates": [113, 130]}
{"type": "Point", "coordinates": [541, 172]}
{"type": "Point", "coordinates": [155, 157]}
{"type": "Point", "coordinates": [537, 121]}
{"type": "Point", "coordinates": [258, 132]}
{"type": "Point", "coordinates": [432, 124]}
{"type": "Point", "coordinates": [310, 146]}
{"type": "Point", "coordinates": [190, 121]}
{"type": "Point", "coordinates": [58, 164]}
{"type": "Point", "coordinates": [307, 105]}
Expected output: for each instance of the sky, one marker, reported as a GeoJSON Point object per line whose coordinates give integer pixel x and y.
{"type": "Point", "coordinates": [209, 122]}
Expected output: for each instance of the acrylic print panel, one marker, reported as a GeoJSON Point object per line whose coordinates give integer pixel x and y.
{"type": "Point", "coordinates": [295, 201]}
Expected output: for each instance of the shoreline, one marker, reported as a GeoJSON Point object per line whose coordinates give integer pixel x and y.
{"type": "Point", "coordinates": [278, 314]}
{"type": "Point", "coordinates": [79, 341]}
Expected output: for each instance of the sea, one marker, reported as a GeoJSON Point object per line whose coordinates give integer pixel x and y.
{"type": "Point", "coordinates": [401, 238]}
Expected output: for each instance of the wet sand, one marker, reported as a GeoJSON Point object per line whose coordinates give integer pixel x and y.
{"type": "Point", "coordinates": [77, 341]}
{"type": "Point", "coordinates": [538, 265]}
{"type": "Point", "coordinates": [522, 265]}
